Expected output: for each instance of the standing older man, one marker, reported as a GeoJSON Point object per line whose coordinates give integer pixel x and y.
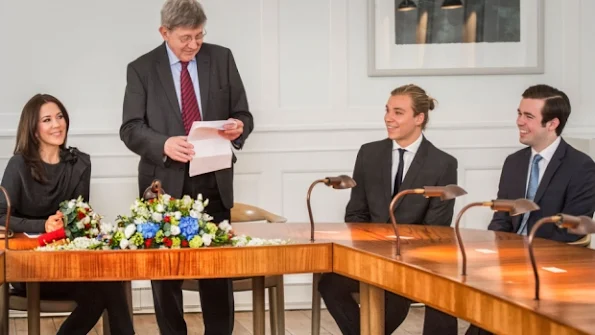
{"type": "Point", "coordinates": [181, 81]}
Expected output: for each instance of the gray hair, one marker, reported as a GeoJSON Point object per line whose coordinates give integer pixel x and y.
{"type": "Point", "coordinates": [182, 13]}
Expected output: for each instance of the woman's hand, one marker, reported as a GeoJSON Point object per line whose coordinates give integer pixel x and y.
{"type": "Point", "coordinates": [54, 222]}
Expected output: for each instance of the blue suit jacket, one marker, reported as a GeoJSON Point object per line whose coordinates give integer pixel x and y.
{"type": "Point", "coordinates": [567, 186]}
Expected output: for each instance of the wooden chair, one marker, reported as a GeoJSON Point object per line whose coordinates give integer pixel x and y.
{"type": "Point", "coordinates": [19, 303]}
{"type": "Point", "coordinates": [583, 242]}
{"type": "Point", "coordinates": [248, 213]}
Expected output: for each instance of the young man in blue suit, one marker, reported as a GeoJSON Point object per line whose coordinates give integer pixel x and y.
{"type": "Point", "coordinates": [556, 176]}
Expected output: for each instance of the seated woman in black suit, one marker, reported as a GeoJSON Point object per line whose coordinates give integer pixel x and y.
{"type": "Point", "coordinates": [41, 174]}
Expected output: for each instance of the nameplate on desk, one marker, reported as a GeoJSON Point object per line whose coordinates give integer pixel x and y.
{"type": "Point", "coordinates": [554, 269]}
{"type": "Point", "coordinates": [402, 237]}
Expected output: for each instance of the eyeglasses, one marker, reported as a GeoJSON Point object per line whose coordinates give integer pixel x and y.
{"type": "Point", "coordinates": [187, 38]}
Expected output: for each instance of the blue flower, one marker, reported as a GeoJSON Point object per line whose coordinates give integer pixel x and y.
{"type": "Point", "coordinates": [189, 227]}
{"type": "Point", "coordinates": [148, 229]}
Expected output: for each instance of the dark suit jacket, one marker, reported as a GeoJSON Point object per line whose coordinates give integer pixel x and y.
{"type": "Point", "coordinates": [371, 197]}
{"type": "Point", "coordinates": [567, 186]}
{"type": "Point", "coordinates": [152, 114]}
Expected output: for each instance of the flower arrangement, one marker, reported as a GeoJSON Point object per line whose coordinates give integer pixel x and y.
{"type": "Point", "coordinates": [157, 221]}
{"type": "Point", "coordinates": [79, 221]}
{"type": "Point", "coordinates": [165, 222]}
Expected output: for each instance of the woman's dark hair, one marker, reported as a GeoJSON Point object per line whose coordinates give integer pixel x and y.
{"type": "Point", "coordinates": [27, 144]}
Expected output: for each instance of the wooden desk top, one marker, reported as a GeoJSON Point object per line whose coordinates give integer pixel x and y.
{"type": "Point", "coordinates": [497, 293]}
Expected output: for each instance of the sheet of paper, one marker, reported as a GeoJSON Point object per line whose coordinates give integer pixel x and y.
{"type": "Point", "coordinates": [211, 151]}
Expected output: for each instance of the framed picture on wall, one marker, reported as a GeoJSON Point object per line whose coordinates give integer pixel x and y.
{"type": "Point", "coordinates": [455, 37]}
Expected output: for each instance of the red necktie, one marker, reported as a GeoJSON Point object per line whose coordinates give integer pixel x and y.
{"type": "Point", "coordinates": [190, 110]}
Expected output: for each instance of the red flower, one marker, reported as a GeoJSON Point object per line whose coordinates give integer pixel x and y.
{"type": "Point", "coordinates": [167, 219]}
{"type": "Point", "coordinates": [80, 215]}
{"type": "Point", "coordinates": [87, 226]}
{"type": "Point", "coordinates": [167, 241]}
{"type": "Point", "coordinates": [148, 242]}
{"type": "Point", "coordinates": [184, 243]}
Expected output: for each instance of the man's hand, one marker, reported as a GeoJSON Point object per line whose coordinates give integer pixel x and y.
{"type": "Point", "coordinates": [178, 149]}
{"type": "Point", "coordinates": [232, 130]}
{"type": "Point", "coordinates": [54, 222]}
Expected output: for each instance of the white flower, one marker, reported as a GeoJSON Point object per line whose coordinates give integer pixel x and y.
{"type": "Point", "coordinates": [206, 217]}
{"type": "Point", "coordinates": [132, 246]}
{"type": "Point", "coordinates": [166, 198]}
{"type": "Point", "coordinates": [160, 208]}
{"type": "Point", "coordinates": [178, 215]}
{"type": "Point", "coordinates": [80, 225]}
{"type": "Point", "coordinates": [198, 206]}
{"type": "Point", "coordinates": [129, 230]}
{"type": "Point", "coordinates": [205, 203]}
{"type": "Point", "coordinates": [225, 226]}
{"type": "Point", "coordinates": [71, 204]}
{"type": "Point", "coordinates": [107, 227]}
{"type": "Point", "coordinates": [157, 217]}
{"type": "Point", "coordinates": [194, 214]}
{"type": "Point", "coordinates": [79, 204]}
{"type": "Point", "coordinates": [94, 231]}
{"type": "Point", "coordinates": [240, 241]}
{"type": "Point", "coordinates": [86, 220]}
{"type": "Point", "coordinates": [206, 239]}
{"type": "Point", "coordinates": [199, 197]}
{"type": "Point", "coordinates": [139, 220]}
{"type": "Point", "coordinates": [175, 230]}
{"type": "Point", "coordinates": [186, 201]}
{"type": "Point", "coordinates": [124, 244]}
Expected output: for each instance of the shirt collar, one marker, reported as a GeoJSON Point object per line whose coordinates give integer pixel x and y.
{"type": "Point", "coordinates": [548, 152]}
{"type": "Point", "coordinates": [413, 147]}
{"type": "Point", "coordinates": [173, 59]}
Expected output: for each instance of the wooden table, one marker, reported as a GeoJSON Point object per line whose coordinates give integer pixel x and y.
{"type": "Point", "coordinates": [34, 267]}
{"type": "Point", "coordinates": [3, 293]}
{"type": "Point", "coordinates": [497, 293]}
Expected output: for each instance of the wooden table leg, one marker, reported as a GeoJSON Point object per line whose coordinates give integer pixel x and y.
{"type": "Point", "coordinates": [376, 296]}
{"type": "Point", "coordinates": [4, 297]}
{"type": "Point", "coordinates": [371, 310]}
{"type": "Point", "coordinates": [258, 305]}
{"type": "Point", "coordinates": [33, 309]}
{"type": "Point", "coordinates": [364, 308]}
{"type": "Point", "coordinates": [316, 304]}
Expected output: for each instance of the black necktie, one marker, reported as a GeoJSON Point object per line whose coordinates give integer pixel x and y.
{"type": "Point", "coordinates": [399, 176]}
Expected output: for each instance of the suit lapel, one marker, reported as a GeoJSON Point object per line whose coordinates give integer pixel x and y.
{"type": "Point", "coordinates": [415, 167]}
{"type": "Point", "coordinates": [522, 166]}
{"type": "Point", "coordinates": [167, 81]}
{"type": "Point", "coordinates": [551, 170]}
{"type": "Point", "coordinates": [519, 185]}
{"type": "Point", "coordinates": [203, 64]}
{"type": "Point", "coordinates": [386, 161]}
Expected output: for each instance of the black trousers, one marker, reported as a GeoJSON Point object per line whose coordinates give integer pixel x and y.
{"type": "Point", "coordinates": [336, 292]}
{"type": "Point", "coordinates": [91, 298]}
{"type": "Point", "coordinates": [474, 330]}
{"type": "Point", "coordinates": [216, 295]}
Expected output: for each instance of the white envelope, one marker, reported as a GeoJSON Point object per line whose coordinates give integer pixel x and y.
{"type": "Point", "coordinates": [211, 151]}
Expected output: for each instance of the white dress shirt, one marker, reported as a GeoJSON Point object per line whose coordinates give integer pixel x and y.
{"type": "Point", "coordinates": [546, 155]}
{"type": "Point", "coordinates": [407, 159]}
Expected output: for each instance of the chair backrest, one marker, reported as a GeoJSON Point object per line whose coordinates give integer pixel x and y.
{"type": "Point", "coordinates": [583, 242]}
{"type": "Point", "coordinates": [248, 213]}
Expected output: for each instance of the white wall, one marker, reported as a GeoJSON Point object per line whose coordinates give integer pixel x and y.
{"type": "Point", "coordinates": [304, 67]}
